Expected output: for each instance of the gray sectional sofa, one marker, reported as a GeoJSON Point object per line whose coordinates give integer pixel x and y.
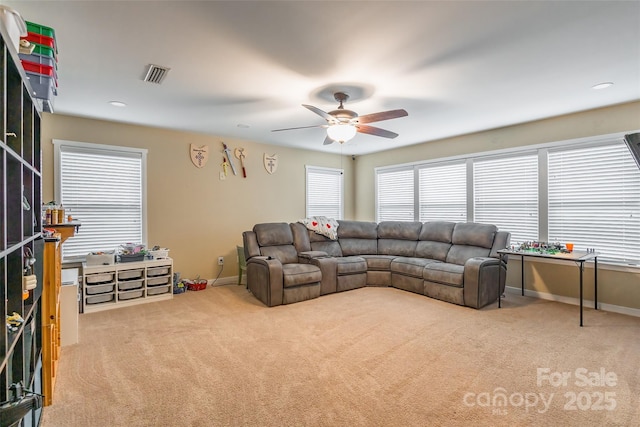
{"type": "Point", "coordinates": [454, 262]}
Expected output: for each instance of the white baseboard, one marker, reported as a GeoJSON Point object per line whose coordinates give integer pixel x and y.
{"type": "Point", "coordinates": [574, 301]}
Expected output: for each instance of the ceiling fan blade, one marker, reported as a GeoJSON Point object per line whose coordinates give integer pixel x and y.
{"type": "Point", "coordinates": [327, 141]}
{"type": "Point", "coordinates": [302, 127]}
{"type": "Point", "coordinates": [376, 131]}
{"type": "Point", "coordinates": [383, 115]}
{"type": "Point", "coordinates": [328, 117]}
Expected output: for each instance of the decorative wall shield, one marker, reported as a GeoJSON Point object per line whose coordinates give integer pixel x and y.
{"type": "Point", "coordinates": [199, 155]}
{"type": "Point", "coordinates": [270, 163]}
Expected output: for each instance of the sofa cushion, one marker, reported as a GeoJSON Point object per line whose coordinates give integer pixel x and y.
{"type": "Point", "coordinates": [410, 266]}
{"type": "Point", "coordinates": [351, 265]}
{"type": "Point", "coordinates": [274, 233]}
{"type": "Point", "coordinates": [441, 272]}
{"type": "Point", "coordinates": [474, 234]}
{"type": "Point", "coordinates": [300, 237]}
{"type": "Point", "coordinates": [323, 243]}
{"type": "Point", "coordinates": [397, 247]}
{"type": "Point", "coordinates": [459, 254]}
{"type": "Point", "coordinates": [286, 254]}
{"type": "Point", "coordinates": [437, 231]}
{"type": "Point", "coordinates": [356, 247]}
{"type": "Point", "coordinates": [400, 230]}
{"type": "Point", "coordinates": [357, 229]}
{"type": "Point", "coordinates": [398, 238]}
{"type": "Point", "coordinates": [358, 237]}
{"type": "Point", "coordinates": [331, 248]}
{"type": "Point", "coordinates": [300, 274]}
{"type": "Point", "coordinates": [379, 262]}
{"type": "Point", "coordinates": [432, 250]}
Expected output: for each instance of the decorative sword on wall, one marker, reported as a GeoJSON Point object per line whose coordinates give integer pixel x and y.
{"type": "Point", "coordinates": [240, 154]}
{"type": "Point", "coordinates": [227, 152]}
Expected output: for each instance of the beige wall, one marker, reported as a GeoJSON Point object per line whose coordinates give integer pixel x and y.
{"type": "Point", "coordinates": [620, 288]}
{"type": "Point", "coordinates": [200, 217]}
{"type": "Point", "coordinates": [190, 210]}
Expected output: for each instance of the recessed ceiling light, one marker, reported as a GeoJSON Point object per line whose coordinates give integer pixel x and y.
{"type": "Point", "coordinates": [117, 104]}
{"type": "Point", "coordinates": [603, 85]}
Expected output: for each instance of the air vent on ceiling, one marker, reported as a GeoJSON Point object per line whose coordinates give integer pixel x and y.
{"type": "Point", "coordinates": [156, 74]}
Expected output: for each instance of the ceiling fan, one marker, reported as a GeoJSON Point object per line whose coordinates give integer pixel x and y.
{"type": "Point", "coordinates": [343, 124]}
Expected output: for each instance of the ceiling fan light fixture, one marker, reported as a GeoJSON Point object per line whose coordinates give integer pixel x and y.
{"type": "Point", "coordinates": [341, 132]}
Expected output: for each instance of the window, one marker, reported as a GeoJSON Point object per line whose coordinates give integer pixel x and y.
{"type": "Point", "coordinates": [395, 195]}
{"type": "Point", "coordinates": [443, 192]}
{"type": "Point", "coordinates": [594, 200]}
{"type": "Point", "coordinates": [584, 191]}
{"type": "Point", "coordinates": [505, 193]}
{"type": "Point", "coordinates": [104, 187]}
{"type": "Point", "coordinates": [324, 192]}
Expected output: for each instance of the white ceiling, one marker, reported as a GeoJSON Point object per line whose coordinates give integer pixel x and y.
{"type": "Point", "coordinates": [456, 67]}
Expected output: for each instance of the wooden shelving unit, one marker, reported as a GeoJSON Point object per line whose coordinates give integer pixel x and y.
{"type": "Point", "coordinates": [51, 315]}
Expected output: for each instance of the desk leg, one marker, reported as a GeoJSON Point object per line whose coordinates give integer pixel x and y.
{"type": "Point", "coordinates": [522, 272]}
{"type": "Point", "coordinates": [500, 280]}
{"type": "Point", "coordinates": [581, 269]}
{"type": "Point", "coordinates": [595, 282]}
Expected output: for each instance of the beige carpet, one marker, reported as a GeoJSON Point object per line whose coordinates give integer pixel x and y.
{"type": "Point", "coordinates": [367, 357]}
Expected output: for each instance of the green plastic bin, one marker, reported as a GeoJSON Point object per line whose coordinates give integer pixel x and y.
{"type": "Point", "coordinates": [32, 27]}
{"type": "Point", "coordinates": [43, 50]}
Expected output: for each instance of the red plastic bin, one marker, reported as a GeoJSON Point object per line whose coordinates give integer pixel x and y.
{"type": "Point", "coordinates": [41, 39]}
{"type": "Point", "coordinates": [42, 69]}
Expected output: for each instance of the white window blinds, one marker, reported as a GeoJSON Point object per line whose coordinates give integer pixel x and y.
{"type": "Point", "coordinates": [104, 189]}
{"type": "Point", "coordinates": [443, 192]}
{"type": "Point", "coordinates": [594, 201]}
{"type": "Point", "coordinates": [395, 195]}
{"type": "Point", "coordinates": [324, 192]}
{"type": "Point", "coordinates": [506, 194]}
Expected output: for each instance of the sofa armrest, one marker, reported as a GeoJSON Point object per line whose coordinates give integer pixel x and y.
{"type": "Point", "coordinates": [329, 269]}
{"type": "Point", "coordinates": [265, 279]}
{"type": "Point", "coordinates": [481, 284]}
{"type": "Point", "coordinates": [306, 256]}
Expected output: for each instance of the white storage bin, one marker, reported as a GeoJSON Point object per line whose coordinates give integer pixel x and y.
{"type": "Point", "coordinates": [92, 279]}
{"type": "Point", "coordinates": [130, 285]}
{"type": "Point", "coordinates": [122, 296]}
{"type": "Point", "coordinates": [98, 299]}
{"type": "Point", "coordinates": [157, 271]}
{"type": "Point", "coordinates": [157, 281]}
{"type": "Point", "coordinates": [159, 290]}
{"type": "Point", "coordinates": [100, 289]}
{"type": "Point", "coordinates": [130, 274]}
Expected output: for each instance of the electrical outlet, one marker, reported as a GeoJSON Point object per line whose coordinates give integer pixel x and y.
{"type": "Point", "coordinates": [220, 260]}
